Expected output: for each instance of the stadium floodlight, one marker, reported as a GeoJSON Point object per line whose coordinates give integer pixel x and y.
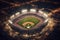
{"type": "Point", "coordinates": [46, 20]}
{"type": "Point", "coordinates": [25, 35]}
{"type": "Point", "coordinates": [24, 11]}
{"type": "Point", "coordinates": [10, 21]}
{"type": "Point", "coordinates": [17, 13]}
{"type": "Point", "coordinates": [12, 16]}
{"type": "Point", "coordinates": [32, 10]}
{"type": "Point", "coordinates": [45, 14]}
{"type": "Point", "coordinates": [40, 11]}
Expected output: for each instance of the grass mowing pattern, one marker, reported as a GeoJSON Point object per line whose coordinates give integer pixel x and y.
{"type": "Point", "coordinates": [29, 19]}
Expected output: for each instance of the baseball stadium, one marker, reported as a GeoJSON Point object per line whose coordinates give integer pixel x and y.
{"type": "Point", "coordinates": [29, 19]}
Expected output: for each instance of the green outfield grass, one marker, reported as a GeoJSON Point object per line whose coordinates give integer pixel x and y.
{"type": "Point", "coordinates": [28, 19]}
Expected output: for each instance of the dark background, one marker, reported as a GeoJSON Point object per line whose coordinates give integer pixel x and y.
{"type": "Point", "coordinates": [4, 4]}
